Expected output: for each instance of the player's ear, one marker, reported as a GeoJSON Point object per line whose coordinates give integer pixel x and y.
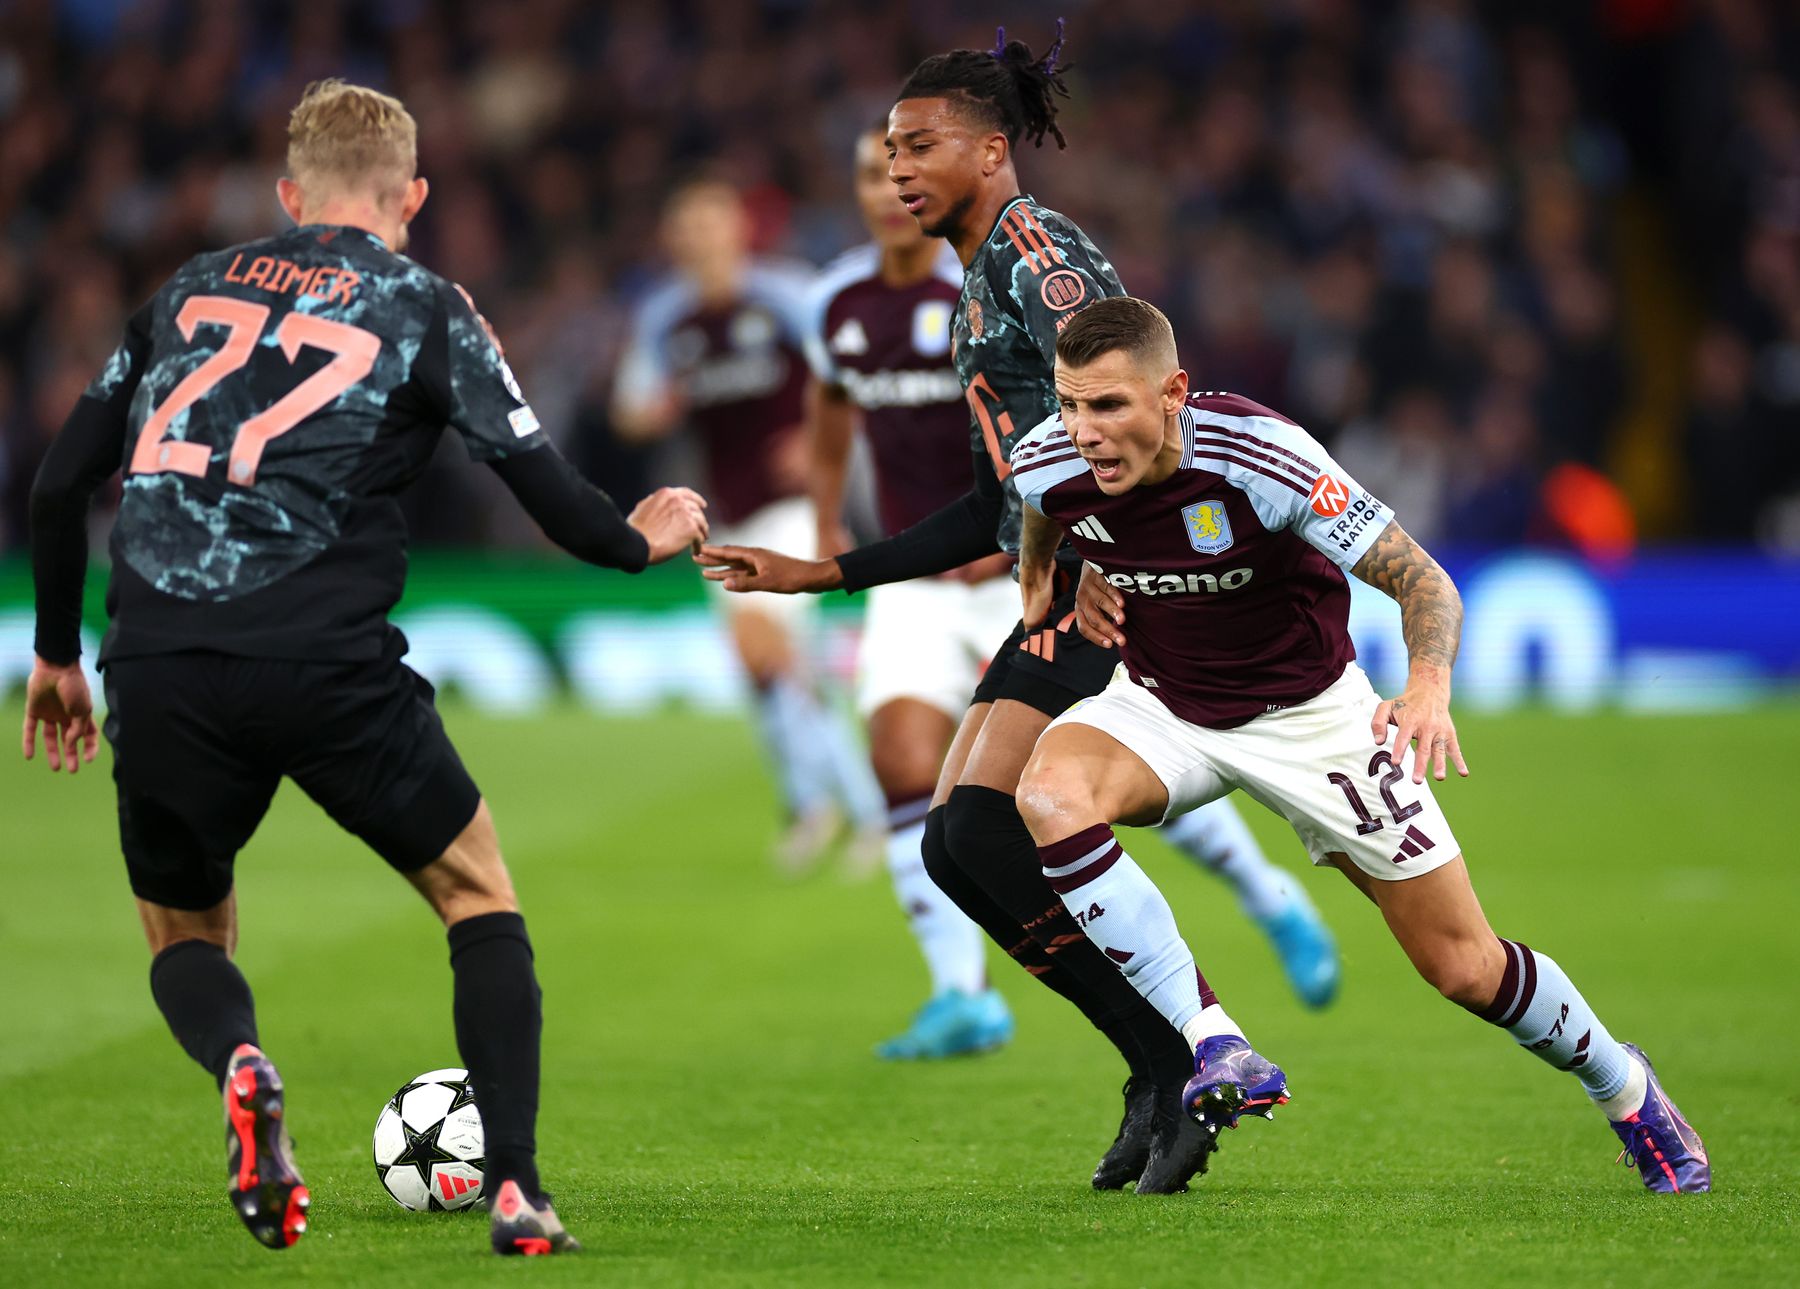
{"type": "Point", "coordinates": [1175, 391]}
{"type": "Point", "coordinates": [416, 193]}
{"type": "Point", "coordinates": [995, 153]}
{"type": "Point", "coordinates": [292, 200]}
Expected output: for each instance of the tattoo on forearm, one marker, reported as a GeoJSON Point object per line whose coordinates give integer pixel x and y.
{"type": "Point", "coordinates": [1430, 608]}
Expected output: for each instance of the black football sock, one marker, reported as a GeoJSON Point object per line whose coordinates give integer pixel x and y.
{"type": "Point", "coordinates": [1128, 1019]}
{"type": "Point", "coordinates": [206, 1001]}
{"type": "Point", "coordinates": [499, 1017]}
{"type": "Point", "coordinates": [990, 842]}
{"type": "Point", "coordinates": [1028, 953]}
{"type": "Point", "coordinates": [1017, 943]}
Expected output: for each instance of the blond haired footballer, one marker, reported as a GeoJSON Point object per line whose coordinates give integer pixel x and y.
{"type": "Point", "coordinates": [267, 406]}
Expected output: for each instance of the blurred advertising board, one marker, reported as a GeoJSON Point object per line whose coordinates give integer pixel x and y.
{"type": "Point", "coordinates": [1693, 630]}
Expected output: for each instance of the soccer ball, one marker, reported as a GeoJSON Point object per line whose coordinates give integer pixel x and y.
{"type": "Point", "coordinates": [429, 1147]}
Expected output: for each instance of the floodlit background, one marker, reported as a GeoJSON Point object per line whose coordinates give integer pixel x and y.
{"type": "Point", "coordinates": [1530, 269]}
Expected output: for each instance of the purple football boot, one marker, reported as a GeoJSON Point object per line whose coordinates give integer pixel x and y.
{"type": "Point", "coordinates": [1231, 1080]}
{"type": "Point", "coordinates": [1667, 1151]}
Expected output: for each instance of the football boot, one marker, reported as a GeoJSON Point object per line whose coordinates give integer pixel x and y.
{"type": "Point", "coordinates": [266, 1188]}
{"type": "Point", "coordinates": [1307, 951]}
{"type": "Point", "coordinates": [1179, 1147]}
{"type": "Point", "coordinates": [522, 1227]}
{"type": "Point", "coordinates": [1668, 1153]}
{"type": "Point", "coordinates": [1129, 1154]}
{"type": "Point", "coordinates": [1231, 1080]}
{"type": "Point", "coordinates": [952, 1024]}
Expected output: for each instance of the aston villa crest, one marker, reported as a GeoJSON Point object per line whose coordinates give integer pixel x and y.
{"type": "Point", "coordinates": [1208, 526]}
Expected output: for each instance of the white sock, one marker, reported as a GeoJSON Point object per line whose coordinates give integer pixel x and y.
{"type": "Point", "coordinates": [1216, 837]}
{"type": "Point", "coordinates": [953, 947]}
{"type": "Point", "coordinates": [1210, 1022]}
{"type": "Point", "coordinates": [789, 717]}
{"type": "Point", "coordinates": [1631, 1097]}
{"type": "Point", "coordinates": [844, 766]}
{"type": "Point", "coordinates": [1124, 913]}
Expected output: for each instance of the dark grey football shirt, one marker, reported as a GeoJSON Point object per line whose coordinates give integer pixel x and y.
{"type": "Point", "coordinates": [1036, 271]}
{"type": "Point", "coordinates": [278, 396]}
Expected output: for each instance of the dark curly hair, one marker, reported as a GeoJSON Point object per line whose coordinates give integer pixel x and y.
{"type": "Point", "coordinates": [1008, 89]}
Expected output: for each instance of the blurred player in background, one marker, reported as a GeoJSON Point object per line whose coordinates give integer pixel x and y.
{"type": "Point", "coordinates": [267, 405]}
{"type": "Point", "coordinates": [1027, 271]}
{"type": "Point", "coordinates": [879, 345]}
{"type": "Point", "coordinates": [1229, 530]}
{"type": "Point", "coordinates": [718, 349]}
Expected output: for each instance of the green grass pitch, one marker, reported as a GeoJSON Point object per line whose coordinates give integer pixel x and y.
{"type": "Point", "coordinates": [712, 1113]}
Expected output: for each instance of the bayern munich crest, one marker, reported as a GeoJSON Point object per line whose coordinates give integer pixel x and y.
{"type": "Point", "coordinates": [1208, 526]}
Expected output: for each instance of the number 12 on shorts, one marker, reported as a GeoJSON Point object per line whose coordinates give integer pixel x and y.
{"type": "Point", "coordinates": [1383, 764]}
{"type": "Point", "coordinates": [353, 353]}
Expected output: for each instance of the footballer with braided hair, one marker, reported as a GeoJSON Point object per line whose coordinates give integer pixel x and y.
{"type": "Point", "coordinates": [951, 144]}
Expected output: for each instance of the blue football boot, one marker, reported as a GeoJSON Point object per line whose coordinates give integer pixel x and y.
{"type": "Point", "coordinates": [1308, 952]}
{"type": "Point", "coordinates": [1231, 1080]}
{"type": "Point", "coordinates": [1668, 1153]}
{"type": "Point", "coordinates": [952, 1024]}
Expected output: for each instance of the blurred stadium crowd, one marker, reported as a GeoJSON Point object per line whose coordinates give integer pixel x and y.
{"type": "Point", "coordinates": [1531, 267]}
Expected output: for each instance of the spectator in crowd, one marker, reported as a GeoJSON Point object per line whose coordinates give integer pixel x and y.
{"type": "Point", "coordinates": [1398, 218]}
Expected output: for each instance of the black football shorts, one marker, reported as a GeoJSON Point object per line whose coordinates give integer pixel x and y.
{"type": "Point", "coordinates": [1051, 668]}
{"type": "Point", "coordinates": [201, 741]}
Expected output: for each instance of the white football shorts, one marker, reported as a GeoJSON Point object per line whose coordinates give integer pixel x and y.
{"type": "Point", "coordinates": [929, 639]}
{"type": "Point", "coordinates": [786, 526]}
{"type": "Point", "coordinates": [1315, 763]}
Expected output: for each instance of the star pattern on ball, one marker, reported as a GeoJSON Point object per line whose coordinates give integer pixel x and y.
{"type": "Point", "coordinates": [422, 1151]}
{"type": "Point", "coordinates": [398, 1100]}
{"type": "Point", "coordinates": [465, 1095]}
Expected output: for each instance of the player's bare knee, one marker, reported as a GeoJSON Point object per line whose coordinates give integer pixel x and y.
{"type": "Point", "coordinates": [165, 927]}
{"type": "Point", "coordinates": [905, 770]}
{"type": "Point", "coordinates": [470, 877]}
{"type": "Point", "coordinates": [168, 938]}
{"type": "Point", "coordinates": [763, 646]}
{"type": "Point", "coordinates": [1465, 974]}
{"type": "Point", "coordinates": [456, 901]}
{"type": "Point", "coordinates": [1055, 798]}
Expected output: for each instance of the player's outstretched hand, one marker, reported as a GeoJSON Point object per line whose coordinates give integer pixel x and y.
{"type": "Point", "coordinates": [1421, 713]}
{"type": "Point", "coordinates": [751, 568]}
{"type": "Point", "coordinates": [671, 519]}
{"type": "Point", "coordinates": [1099, 609]}
{"type": "Point", "coordinates": [57, 698]}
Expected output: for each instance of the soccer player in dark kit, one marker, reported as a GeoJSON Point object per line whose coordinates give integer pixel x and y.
{"type": "Point", "coordinates": [1027, 271]}
{"type": "Point", "coordinates": [267, 405]}
{"type": "Point", "coordinates": [879, 346]}
{"type": "Point", "coordinates": [1228, 530]}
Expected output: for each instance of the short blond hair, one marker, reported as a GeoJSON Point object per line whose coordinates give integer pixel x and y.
{"type": "Point", "coordinates": [341, 134]}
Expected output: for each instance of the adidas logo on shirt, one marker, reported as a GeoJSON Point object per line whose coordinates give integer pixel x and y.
{"type": "Point", "coordinates": [1092, 529]}
{"type": "Point", "coordinates": [850, 339]}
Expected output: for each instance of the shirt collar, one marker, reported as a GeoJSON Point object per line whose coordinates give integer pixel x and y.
{"type": "Point", "coordinates": [344, 230]}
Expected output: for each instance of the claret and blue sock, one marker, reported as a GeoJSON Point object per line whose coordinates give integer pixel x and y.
{"type": "Point", "coordinates": [1540, 1007]}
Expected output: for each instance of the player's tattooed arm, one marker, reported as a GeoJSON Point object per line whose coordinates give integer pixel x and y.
{"type": "Point", "coordinates": [1430, 608]}
{"type": "Point", "coordinates": [1431, 621]}
{"type": "Point", "coordinates": [1038, 540]}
